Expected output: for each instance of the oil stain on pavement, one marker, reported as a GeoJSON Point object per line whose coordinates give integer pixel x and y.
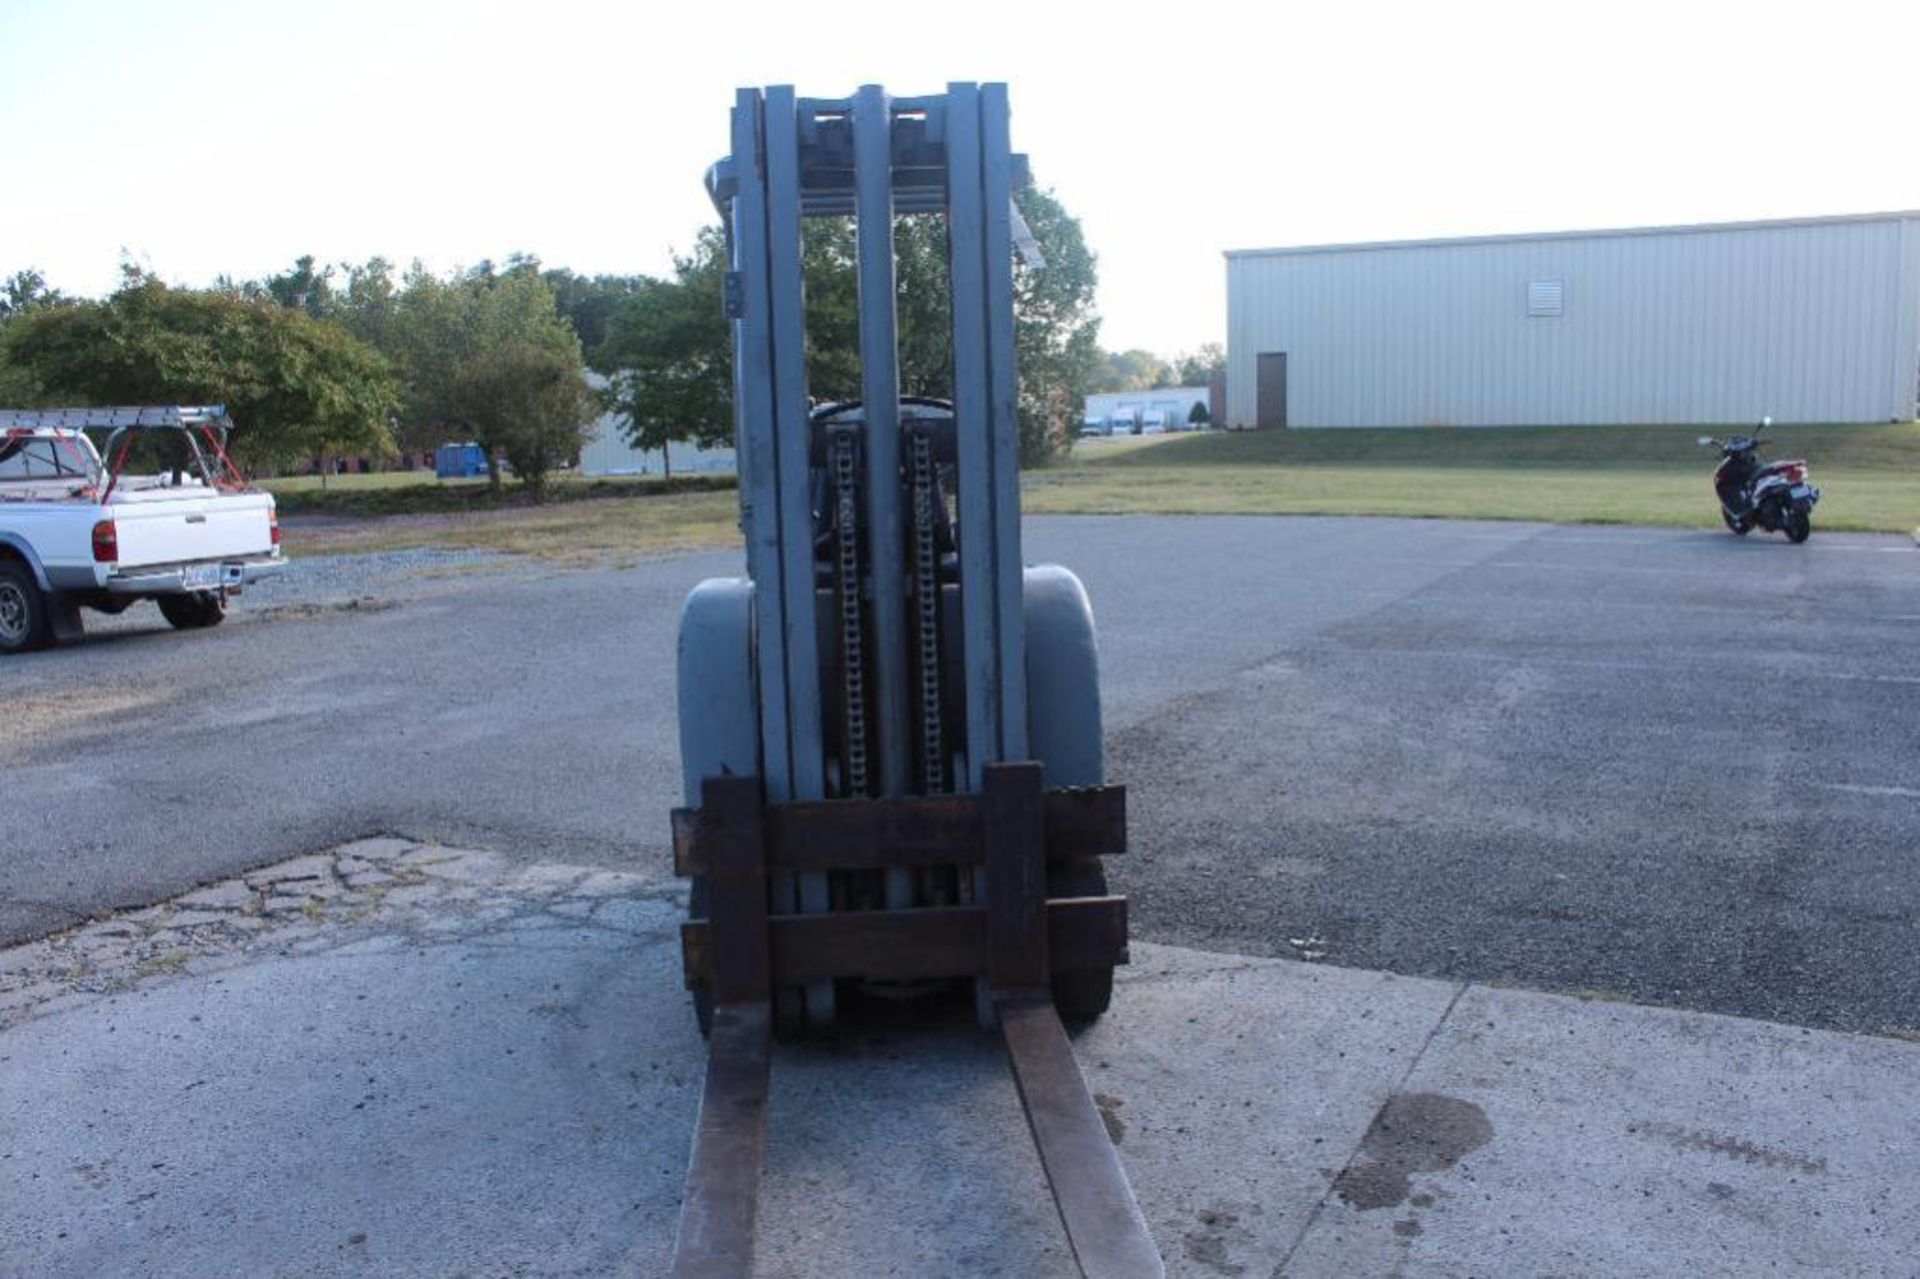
{"type": "Point", "coordinates": [1414, 1132]}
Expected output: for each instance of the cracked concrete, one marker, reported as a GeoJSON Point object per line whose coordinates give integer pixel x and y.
{"type": "Point", "coordinates": [307, 903]}
{"type": "Point", "coordinates": [490, 1068]}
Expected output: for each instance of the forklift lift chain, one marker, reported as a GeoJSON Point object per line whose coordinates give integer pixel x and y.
{"type": "Point", "coordinates": [926, 596]}
{"type": "Point", "coordinates": [853, 680]}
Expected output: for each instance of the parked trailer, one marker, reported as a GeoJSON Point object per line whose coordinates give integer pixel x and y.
{"type": "Point", "coordinates": [890, 730]}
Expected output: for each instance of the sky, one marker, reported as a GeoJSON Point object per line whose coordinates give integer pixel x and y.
{"type": "Point", "coordinates": [210, 137]}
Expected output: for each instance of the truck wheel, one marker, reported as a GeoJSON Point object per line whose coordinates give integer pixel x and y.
{"type": "Point", "coordinates": [194, 612]}
{"type": "Point", "coordinates": [23, 610]}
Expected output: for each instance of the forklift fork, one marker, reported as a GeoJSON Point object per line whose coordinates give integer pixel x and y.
{"type": "Point", "coordinates": [1014, 942]}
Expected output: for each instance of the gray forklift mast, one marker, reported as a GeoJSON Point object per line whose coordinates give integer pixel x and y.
{"type": "Point", "coordinates": [890, 732]}
{"type": "Point", "coordinates": [871, 156]}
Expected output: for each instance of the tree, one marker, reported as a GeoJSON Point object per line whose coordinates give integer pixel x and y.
{"type": "Point", "coordinates": [529, 401]}
{"type": "Point", "coordinates": [17, 385]}
{"type": "Point", "coordinates": [589, 304]}
{"type": "Point", "coordinates": [303, 288]}
{"type": "Point", "coordinates": [1198, 368]}
{"type": "Point", "coordinates": [442, 333]}
{"type": "Point", "coordinates": [1134, 370]}
{"type": "Point", "coordinates": [1198, 414]}
{"type": "Point", "coordinates": [1056, 332]}
{"type": "Point", "coordinates": [1054, 325]}
{"type": "Point", "coordinates": [667, 347]}
{"type": "Point", "coordinates": [26, 291]}
{"type": "Point", "coordinates": [293, 384]}
{"type": "Point", "coordinates": [667, 355]}
{"type": "Point", "coordinates": [923, 307]}
{"type": "Point", "coordinates": [369, 303]}
{"type": "Point", "coordinates": [23, 292]}
{"type": "Point", "coordinates": [829, 254]}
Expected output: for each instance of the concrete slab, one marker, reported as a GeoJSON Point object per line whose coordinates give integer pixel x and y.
{"type": "Point", "coordinates": [472, 1107]}
{"type": "Point", "coordinates": [1242, 1085]}
{"type": "Point", "coordinates": [1233, 1088]}
{"type": "Point", "coordinates": [500, 1077]}
{"type": "Point", "coordinates": [1557, 1136]}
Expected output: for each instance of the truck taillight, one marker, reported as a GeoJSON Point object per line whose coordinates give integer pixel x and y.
{"type": "Point", "coordinates": [106, 543]}
{"type": "Point", "coordinates": [273, 525]}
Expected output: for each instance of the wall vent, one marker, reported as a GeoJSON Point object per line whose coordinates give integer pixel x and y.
{"type": "Point", "coordinates": [1544, 297]}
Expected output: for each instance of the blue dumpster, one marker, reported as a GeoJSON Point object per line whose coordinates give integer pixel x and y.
{"type": "Point", "coordinates": [459, 461]}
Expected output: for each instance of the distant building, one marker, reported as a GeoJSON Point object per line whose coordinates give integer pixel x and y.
{"type": "Point", "coordinates": [1175, 402]}
{"type": "Point", "coordinates": [1806, 320]}
{"type": "Point", "coordinates": [606, 451]}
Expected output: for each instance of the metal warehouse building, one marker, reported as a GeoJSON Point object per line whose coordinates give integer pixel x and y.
{"type": "Point", "coordinates": [1808, 320]}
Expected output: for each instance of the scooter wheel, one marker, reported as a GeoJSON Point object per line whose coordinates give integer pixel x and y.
{"type": "Point", "coordinates": [1738, 527]}
{"type": "Point", "coordinates": [1798, 526]}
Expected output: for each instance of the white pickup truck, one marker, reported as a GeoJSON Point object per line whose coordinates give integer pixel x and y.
{"type": "Point", "coordinates": [78, 529]}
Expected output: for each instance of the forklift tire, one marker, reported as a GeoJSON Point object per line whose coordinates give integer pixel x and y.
{"type": "Point", "coordinates": [1080, 995]}
{"type": "Point", "coordinates": [194, 612]}
{"type": "Point", "coordinates": [1063, 678]}
{"type": "Point", "coordinates": [1064, 733]}
{"type": "Point", "coordinates": [23, 610]}
{"type": "Point", "coordinates": [719, 727]}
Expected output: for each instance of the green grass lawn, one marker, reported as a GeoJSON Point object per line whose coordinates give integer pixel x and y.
{"type": "Point", "coordinates": [616, 529]}
{"type": "Point", "coordinates": [419, 493]}
{"type": "Point", "coordinates": [1869, 475]}
{"type": "Point", "coordinates": [359, 483]}
{"type": "Point", "coordinates": [583, 519]}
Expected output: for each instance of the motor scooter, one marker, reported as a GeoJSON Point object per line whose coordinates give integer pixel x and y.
{"type": "Point", "coordinates": [1776, 496]}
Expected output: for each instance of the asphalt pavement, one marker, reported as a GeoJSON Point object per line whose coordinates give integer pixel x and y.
{"type": "Point", "coordinates": [1665, 766]}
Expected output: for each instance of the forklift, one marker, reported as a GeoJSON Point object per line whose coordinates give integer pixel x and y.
{"type": "Point", "coordinates": [890, 727]}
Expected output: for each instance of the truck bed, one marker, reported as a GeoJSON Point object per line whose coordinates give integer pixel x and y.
{"type": "Point", "coordinates": [178, 526]}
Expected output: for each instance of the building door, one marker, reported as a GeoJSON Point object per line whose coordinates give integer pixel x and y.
{"type": "Point", "coordinates": [1270, 399]}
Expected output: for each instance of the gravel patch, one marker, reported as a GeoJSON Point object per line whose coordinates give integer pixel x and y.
{"type": "Point", "coordinates": [323, 578]}
{"type": "Point", "coordinates": [313, 583]}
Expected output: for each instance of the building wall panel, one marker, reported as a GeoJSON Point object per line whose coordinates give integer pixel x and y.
{"type": "Point", "coordinates": [1806, 321]}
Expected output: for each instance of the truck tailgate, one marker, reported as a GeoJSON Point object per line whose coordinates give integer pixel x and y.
{"type": "Point", "coordinates": [174, 528]}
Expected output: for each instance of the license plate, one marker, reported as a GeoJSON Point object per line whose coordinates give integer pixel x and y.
{"type": "Point", "coordinates": [204, 577]}
{"type": "Point", "coordinates": [1799, 491]}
